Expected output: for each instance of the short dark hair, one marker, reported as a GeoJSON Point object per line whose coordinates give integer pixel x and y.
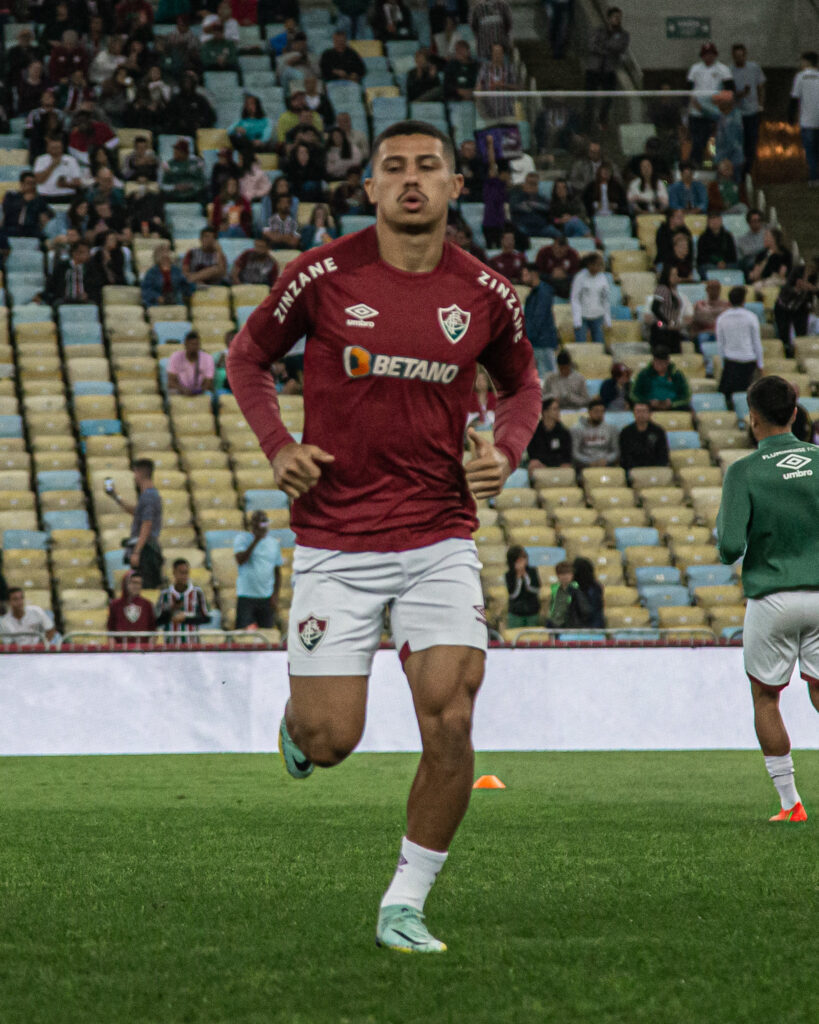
{"type": "Point", "coordinates": [80, 244]}
{"type": "Point", "coordinates": [549, 400]}
{"type": "Point", "coordinates": [686, 165]}
{"type": "Point", "coordinates": [754, 212]}
{"type": "Point", "coordinates": [738, 46]}
{"type": "Point", "coordinates": [564, 567]}
{"type": "Point", "coordinates": [145, 466]}
{"type": "Point", "coordinates": [736, 296]}
{"type": "Point", "coordinates": [135, 574]}
{"type": "Point", "coordinates": [613, 10]}
{"type": "Point", "coordinates": [16, 590]}
{"type": "Point", "coordinates": [533, 268]}
{"type": "Point", "coordinates": [181, 561]}
{"type": "Point", "coordinates": [26, 174]}
{"type": "Point", "coordinates": [207, 231]}
{"type": "Point", "coordinates": [564, 358]}
{"type": "Point", "coordinates": [597, 400]}
{"type": "Point", "coordinates": [774, 399]}
{"type": "Point", "coordinates": [192, 334]}
{"type": "Point", "coordinates": [811, 56]}
{"type": "Point", "coordinates": [411, 127]}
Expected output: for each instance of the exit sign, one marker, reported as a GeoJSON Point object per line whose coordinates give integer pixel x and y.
{"type": "Point", "coordinates": [683, 27]}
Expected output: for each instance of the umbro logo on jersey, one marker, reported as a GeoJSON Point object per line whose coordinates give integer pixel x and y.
{"type": "Point", "coordinates": [360, 315]}
{"type": "Point", "coordinates": [358, 362]}
{"type": "Point", "coordinates": [454, 322]}
{"type": "Point", "coordinates": [796, 464]}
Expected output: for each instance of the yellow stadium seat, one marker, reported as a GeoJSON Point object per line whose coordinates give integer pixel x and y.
{"type": "Point", "coordinates": [33, 367]}
{"type": "Point", "coordinates": [652, 497]}
{"type": "Point", "coordinates": [489, 535]}
{"type": "Point", "coordinates": [674, 419]}
{"type": "Point", "coordinates": [608, 565]}
{"type": "Point", "coordinates": [643, 555]}
{"type": "Point", "coordinates": [199, 443]}
{"type": "Point", "coordinates": [186, 424]}
{"type": "Point", "coordinates": [211, 138]}
{"type": "Point", "coordinates": [608, 476]}
{"type": "Point", "coordinates": [16, 518]}
{"type": "Point", "coordinates": [121, 295]}
{"type": "Point", "coordinates": [23, 560]}
{"type": "Point", "coordinates": [689, 457]}
{"type": "Point", "coordinates": [248, 295]}
{"type": "Point", "coordinates": [712, 597]}
{"type": "Point", "coordinates": [179, 536]}
{"type": "Point", "coordinates": [52, 442]}
{"type": "Point", "coordinates": [203, 499]}
{"type": "Point", "coordinates": [516, 517]}
{"type": "Point", "coordinates": [213, 295]}
{"type": "Point", "coordinates": [363, 47]}
{"type": "Point", "coordinates": [210, 480]}
{"type": "Point", "coordinates": [575, 536]}
{"type": "Point", "coordinates": [222, 519]}
{"type": "Point", "coordinates": [95, 407]}
{"type": "Point", "coordinates": [674, 616]}
{"type": "Point", "coordinates": [52, 501]}
{"type": "Point", "coordinates": [695, 554]}
{"type": "Point", "coordinates": [81, 600]}
{"type": "Point", "coordinates": [721, 419]}
{"type": "Point", "coordinates": [525, 634]}
{"type": "Point", "coordinates": [216, 459]}
{"type": "Point", "coordinates": [194, 556]}
{"type": "Point", "coordinates": [85, 621]}
{"type": "Point", "coordinates": [679, 535]}
{"type": "Point", "coordinates": [609, 497]}
{"type": "Point", "coordinates": [552, 498]}
{"type": "Point", "coordinates": [532, 536]}
{"type": "Point", "coordinates": [726, 617]}
{"type": "Point", "coordinates": [42, 598]}
{"type": "Point", "coordinates": [106, 444]}
{"type": "Point", "coordinates": [627, 616]}
{"type": "Point", "coordinates": [651, 476]}
{"type": "Point", "coordinates": [695, 222]}
{"type": "Point", "coordinates": [488, 516]}
{"type": "Point", "coordinates": [637, 285]}
{"type": "Point", "coordinates": [619, 596]}
{"type": "Point", "coordinates": [493, 554]}
{"type": "Point", "coordinates": [74, 557]}
{"type": "Point", "coordinates": [14, 460]}
{"type": "Point", "coordinates": [15, 480]}
{"type": "Point", "coordinates": [516, 497]}
{"type": "Point", "coordinates": [613, 518]}
{"type": "Point", "coordinates": [561, 476]}
{"type": "Point", "coordinates": [44, 461]}
{"type": "Point", "coordinates": [699, 476]}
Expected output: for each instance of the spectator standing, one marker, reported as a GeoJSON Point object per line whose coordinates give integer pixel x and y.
{"type": "Point", "coordinates": [793, 304]}
{"type": "Point", "coordinates": [509, 261]}
{"type": "Point", "coordinates": [131, 613]}
{"type": "Point", "coordinates": [182, 607]}
{"type": "Point", "coordinates": [256, 265]}
{"type": "Point", "coordinates": [584, 169]}
{"type": "Point", "coordinates": [716, 249]}
{"type": "Point", "coordinates": [594, 441]}
{"type": "Point", "coordinates": [460, 74]}
{"type": "Point", "coordinates": [706, 311]}
{"type": "Point", "coordinates": [591, 300]}
{"type": "Point", "coordinates": [739, 345]}
{"type": "Point", "coordinates": [591, 590]}
{"type": "Point", "coordinates": [206, 263]}
{"type": "Point", "coordinates": [539, 319]}
{"type": "Point", "coordinates": [615, 390]}
{"type": "Point", "coordinates": [491, 21]}
{"type": "Point", "coordinates": [190, 370]}
{"type": "Point", "coordinates": [560, 20]}
{"type": "Point", "coordinates": [392, 19]}
{"type": "Point", "coordinates": [558, 263]}
{"type": "Point", "coordinates": [551, 444]}
{"type": "Point", "coordinates": [643, 442]}
{"type": "Point", "coordinates": [566, 384]}
{"type": "Point", "coordinates": [142, 551]}
{"type": "Point", "coordinates": [670, 312]}
{"type": "Point", "coordinates": [497, 75]}
{"type": "Point", "coordinates": [706, 77]}
{"type": "Point", "coordinates": [523, 586]}
{"type": "Point", "coordinates": [749, 89]}
{"type": "Point", "coordinates": [688, 194]}
{"type": "Point", "coordinates": [660, 384]}
{"type": "Point", "coordinates": [230, 26]}
{"type": "Point", "coordinates": [751, 244]}
{"type": "Point", "coordinates": [259, 558]}
{"type": "Point", "coordinates": [350, 11]}
{"type": "Point", "coordinates": [20, 56]}
{"type": "Point", "coordinates": [341, 61]}
{"type": "Point", "coordinates": [607, 47]}
{"type": "Point", "coordinates": [26, 621]}
{"type": "Point", "coordinates": [164, 284]}
{"type": "Point", "coordinates": [729, 142]}
{"type": "Point", "coordinates": [805, 93]}
{"type": "Point", "coordinates": [494, 196]}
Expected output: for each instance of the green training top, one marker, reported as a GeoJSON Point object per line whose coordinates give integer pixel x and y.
{"type": "Point", "coordinates": [770, 511]}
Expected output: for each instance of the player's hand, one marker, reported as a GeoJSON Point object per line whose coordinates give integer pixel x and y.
{"type": "Point", "coordinates": [297, 467]}
{"type": "Point", "coordinates": [487, 470]}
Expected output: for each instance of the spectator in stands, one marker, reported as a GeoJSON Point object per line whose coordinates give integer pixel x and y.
{"type": "Point", "coordinates": [687, 193]}
{"type": "Point", "coordinates": [87, 134]}
{"type": "Point", "coordinates": [142, 551]}
{"type": "Point", "coordinates": [664, 239]}
{"type": "Point", "coordinates": [591, 300]}
{"type": "Point", "coordinates": [68, 281]}
{"type": "Point", "coordinates": [67, 57]}
{"type": "Point", "coordinates": [306, 172]}
{"type": "Point", "coordinates": [539, 319]}
{"type": "Point", "coordinates": [131, 613]}
{"type": "Point", "coordinates": [491, 21]}
{"type": "Point", "coordinates": [253, 129]}
{"type": "Point", "coordinates": [423, 82]}
{"type": "Point", "coordinates": [591, 591]}
{"type": "Point", "coordinates": [259, 558]}
{"type": "Point", "coordinates": [130, 14]}
{"type": "Point", "coordinates": [605, 196]}
{"type": "Point", "coordinates": [794, 302]}
{"type": "Point", "coordinates": [473, 169]}
{"type": "Point", "coordinates": [566, 384]}
{"type": "Point", "coordinates": [25, 212]}
{"type": "Point", "coordinates": [58, 175]}
{"type": "Point", "coordinates": [392, 19]}
{"type": "Point", "coordinates": [739, 345]}
{"type": "Point", "coordinates": [715, 246]}
{"type": "Point", "coordinates": [182, 607]}
{"type": "Point", "coordinates": [494, 196]}
{"type": "Point", "coordinates": [45, 121]}
{"type": "Point", "coordinates": [4, 590]}
{"type": "Point", "coordinates": [670, 312]}
{"type": "Point", "coordinates": [183, 44]}
{"type": "Point", "coordinates": [296, 61]}
{"type": "Point", "coordinates": [156, 85]}
{"type": "Point", "coordinates": [523, 585]}
{"type": "Point", "coordinates": [256, 265]}
{"type": "Point", "coordinates": [558, 263]}
{"type": "Point", "coordinates": [188, 110]}
{"type": "Point", "coordinates": [706, 311]}
{"type": "Point", "coordinates": [232, 217]}
{"type": "Point", "coordinates": [661, 384]}
{"type": "Point", "coordinates": [30, 90]}
{"type": "Point", "coordinates": [529, 209]}
{"type": "Point", "coordinates": [141, 164]}
{"type": "Point", "coordinates": [315, 98]}
{"type": "Point", "coordinates": [724, 193]}
{"type": "Point", "coordinates": [560, 19]}
{"type": "Point", "coordinates": [551, 444]}
{"type": "Point", "coordinates": [482, 403]}
{"type": "Point", "coordinates": [164, 284]}
{"type": "Point", "coordinates": [298, 114]}
{"type": "Point", "coordinates": [568, 608]}
{"type": "Point", "coordinates": [57, 18]}
{"type": "Point", "coordinates": [218, 53]}
{"type": "Point", "coordinates": [319, 229]}
{"type": "Point", "coordinates": [509, 261]}
{"type": "Point", "coordinates": [706, 77]}
{"type": "Point", "coordinates": [729, 141]}
{"type": "Point", "coordinates": [345, 123]}
{"type": "Point", "coordinates": [566, 213]}
{"type": "Point", "coordinates": [145, 112]}
{"type": "Point", "coordinates": [283, 229]}
{"type": "Point", "coordinates": [341, 61]}
{"type": "Point", "coordinates": [205, 264]}
{"type": "Point", "coordinates": [460, 74]}
{"type": "Point", "coordinates": [615, 390]}
{"type": "Point", "coordinates": [349, 13]}
{"type": "Point", "coordinates": [182, 178]}
{"type": "Point", "coordinates": [498, 74]}
{"type": "Point", "coordinates": [107, 60]}
{"type": "Point", "coordinates": [350, 196]}
{"type": "Point", "coordinates": [29, 623]}
{"type": "Point", "coordinates": [71, 93]}
{"type": "Point", "coordinates": [772, 265]}
{"type": "Point", "coordinates": [224, 168]}
{"type": "Point", "coordinates": [190, 370]}
{"type": "Point", "coordinates": [466, 240]}
{"type": "Point", "coordinates": [594, 441]}
{"type": "Point", "coordinates": [682, 258]}
{"type": "Point", "coordinates": [557, 126]}
{"type": "Point", "coordinates": [224, 15]}
{"type": "Point", "coordinates": [21, 55]}
{"type": "Point", "coordinates": [647, 192]}
{"type": "Point", "coordinates": [805, 95]}
{"type": "Point", "coordinates": [254, 182]}
{"type": "Point", "coordinates": [749, 87]}
{"type": "Point", "coordinates": [607, 48]}
{"type": "Point", "coordinates": [643, 442]}
{"type": "Point", "coordinates": [106, 266]}
{"type": "Point", "coordinates": [342, 154]}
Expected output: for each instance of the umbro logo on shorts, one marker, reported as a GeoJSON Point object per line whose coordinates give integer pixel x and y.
{"type": "Point", "coordinates": [312, 631]}
{"type": "Point", "coordinates": [360, 315]}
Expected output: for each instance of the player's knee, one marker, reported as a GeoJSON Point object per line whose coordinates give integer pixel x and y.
{"type": "Point", "coordinates": [448, 735]}
{"type": "Point", "coordinates": [328, 743]}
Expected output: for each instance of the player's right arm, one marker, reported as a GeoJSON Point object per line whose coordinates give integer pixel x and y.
{"type": "Point", "coordinates": [734, 514]}
{"type": "Point", "coordinates": [270, 332]}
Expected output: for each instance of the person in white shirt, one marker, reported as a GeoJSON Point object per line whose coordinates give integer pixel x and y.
{"type": "Point", "coordinates": [749, 88]}
{"type": "Point", "coordinates": [739, 344]}
{"type": "Point", "coordinates": [57, 173]}
{"type": "Point", "coordinates": [229, 23]}
{"type": "Point", "coordinates": [705, 78]}
{"type": "Point", "coordinates": [805, 92]}
{"type": "Point", "coordinates": [647, 192]}
{"type": "Point", "coordinates": [107, 61]}
{"type": "Point", "coordinates": [31, 624]}
{"type": "Point", "coordinates": [591, 300]}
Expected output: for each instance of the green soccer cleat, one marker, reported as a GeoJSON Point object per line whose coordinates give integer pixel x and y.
{"type": "Point", "coordinates": [403, 929]}
{"type": "Point", "coordinates": [295, 762]}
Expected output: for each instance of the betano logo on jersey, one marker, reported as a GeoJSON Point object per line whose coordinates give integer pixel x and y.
{"type": "Point", "coordinates": [358, 362]}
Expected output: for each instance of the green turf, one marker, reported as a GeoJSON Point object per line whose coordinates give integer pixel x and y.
{"type": "Point", "coordinates": [597, 888]}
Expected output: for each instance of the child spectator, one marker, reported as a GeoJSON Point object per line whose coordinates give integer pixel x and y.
{"type": "Point", "coordinates": [523, 585]}
{"type": "Point", "coordinates": [568, 607]}
{"type": "Point", "coordinates": [591, 590]}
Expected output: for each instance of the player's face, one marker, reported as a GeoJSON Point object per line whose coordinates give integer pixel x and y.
{"type": "Point", "coordinates": [412, 183]}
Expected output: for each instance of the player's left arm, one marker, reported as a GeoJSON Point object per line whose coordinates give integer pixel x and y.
{"type": "Point", "coordinates": [734, 515]}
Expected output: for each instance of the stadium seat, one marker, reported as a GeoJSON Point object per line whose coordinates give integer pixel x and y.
{"type": "Point", "coordinates": [627, 617]}
{"type": "Point", "coordinates": [28, 540]}
{"type": "Point", "coordinates": [542, 555]}
{"type": "Point", "coordinates": [716, 575]}
{"type": "Point", "coordinates": [632, 536]}
{"type": "Point", "coordinates": [651, 575]}
{"type": "Point", "coordinates": [265, 499]}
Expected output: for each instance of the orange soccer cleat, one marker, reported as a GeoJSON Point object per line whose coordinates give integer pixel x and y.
{"type": "Point", "coordinates": [795, 813]}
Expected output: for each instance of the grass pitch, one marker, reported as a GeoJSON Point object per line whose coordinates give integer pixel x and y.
{"type": "Point", "coordinates": [597, 888]}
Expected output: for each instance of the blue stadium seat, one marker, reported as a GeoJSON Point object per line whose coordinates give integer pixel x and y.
{"type": "Point", "coordinates": [620, 243]}
{"type": "Point", "coordinates": [234, 247]}
{"type": "Point", "coordinates": [249, 64]}
{"type": "Point", "coordinates": [541, 555]}
{"type": "Point", "coordinates": [620, 418]}
{"type": "Point", "coordinates": [343, 93]}
{"type": "Point", "coordinates": [21, 261]}
{"type": "Point", "coordinates": [11, 425]}
{"type": "Point", "coordinates": [31, 313]}
{"type": "Point", "coordinates": [93, 387]}
{"type": "Point", "coordinates": [613, 226]}
{"type": "Point", "coordinates": [189, 226]}
{"type": "Point", "coordinates": [215, 539]}
{"type": "Point", "coordinates": [693, 292]}
{"type": "Point", "coordinates": [166, 142]}
{"type": "Point", "coordinates": [95, 428]}
{"type": "Point", "coordinates": [222, 83]}
{"type": "Point", "coordinates": [171, 330]}
{"type": "Point", "coordinates": [708, 401]}
{"type": "Point", "coordinates": [21, 242]}
{"type": "Point", "coordinates": [678, 439]}
{"type": "Point", "coordinates": [215, 619]}
{"type": "Point", "coordinates": [401, 47]}
{"type": "Point", "coordinates": [66, 519]}
{"type": "Point", "coordinates": [265, 499]}
{"type": "Point", "coordinates": [657, 595]}
{"type": "Point", "coordinates": [709, 576]}
{"type": "Point", "coordinates": [579, 636]}
{"type": "Point", "coordinates": [636, 635]}
{"type": "Point", "coordinates": [28, 540]}
{"type": "Point", "coordinates": [81, 333]}
{"type": "Point", "coordinates": [758, 308]}
{"type": "Point", "coordinates": [517, 478]}
{"type": "Point", "coordinates": [24, 287]}
{"type": "Point", "coordinates": [635, 536]}
{"type": "Point", "coordinates": [810, 405]}
{"type": "Point", "coordinates": [375, 64]}
{"type": "Point", "coordinates": [242, 314]}
{"type": "Point", "coordinates": [423, 110]}
{"type": "Point", "coordinates": [739, 400]}
{"type": "Point", "coordinates": [729, 277]}
{"type": "Point", "coordinates": [620, 312]}
{"type": "Point", "coordinates": [84, 312]}
{"type": "Point", "coordinates": [648, 575]}
{"type": "Point", "coordinates": [731, 633]}
{"type": "Point", "coordinates": [114, 560]}
{"type": "Point", "coordinates": [394, 107]}
{"type": "Point", "coordinates": [284, 536]}
{"type": "Point", "coordinates": [58, 480]}
{"type": "Point", "coordinates": [582, 244]}
{"type": "Point", "coordinates": [355, 222]}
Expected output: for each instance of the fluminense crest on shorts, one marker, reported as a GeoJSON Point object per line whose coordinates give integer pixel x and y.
{"type": "Point", "coordinates": [454, 322]}
{"type": "Point", "coordinates": [311, 632]}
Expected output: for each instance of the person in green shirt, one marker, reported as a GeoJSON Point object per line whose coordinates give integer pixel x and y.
{"type": "Point", "coordinates": [770, 514]}
{"type": "Point", "coordinates": [661, 384]}
{"type": "Point", "coordinates": [182, 178]}
{"type": "Point", "coordinates": [218, 53]}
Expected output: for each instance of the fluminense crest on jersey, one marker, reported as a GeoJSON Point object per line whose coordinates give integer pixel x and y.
{"type": "Point", "coordinates": [312, 631]}
{"type": "Point", "coordinates": [454, 322]}
{"type": "Point", "coordinates": [360, 315]}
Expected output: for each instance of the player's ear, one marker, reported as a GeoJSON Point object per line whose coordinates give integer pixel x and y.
{"type": "Point", "coordinates": [368, 188]}
{"type": "Point", "coordinates": [457, 186]}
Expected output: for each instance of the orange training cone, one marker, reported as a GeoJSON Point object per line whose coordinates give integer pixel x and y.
{"type": "Point", "coordinates": [489, 782]}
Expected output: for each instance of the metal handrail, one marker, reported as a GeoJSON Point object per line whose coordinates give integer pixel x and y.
{"type": "Point", "coordinates": [537, 632]}
{"type": "Point", "coordinates": [166, 641]}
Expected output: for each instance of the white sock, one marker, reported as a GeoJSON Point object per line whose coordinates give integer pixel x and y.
{"type": "Point", "coordinates": [417, 870]}
{"type": "Point", "coordinates": [780, 770]}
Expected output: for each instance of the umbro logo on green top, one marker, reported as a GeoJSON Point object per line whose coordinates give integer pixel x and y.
{"type": "Point", "coordinates": [796, 464]}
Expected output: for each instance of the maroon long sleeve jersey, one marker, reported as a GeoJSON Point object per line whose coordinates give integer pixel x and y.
{"type": "Point", "coordinates": [389, 366]}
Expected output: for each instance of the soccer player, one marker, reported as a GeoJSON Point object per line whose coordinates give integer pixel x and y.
{"type": "Point", "coordinates": [396, 321]}
{"type": "Point", "coordinates": [770, 512]}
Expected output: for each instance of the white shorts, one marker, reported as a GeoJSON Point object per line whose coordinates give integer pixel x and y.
{"type": "Point", "coordinates": [779, 628]}
{"type": "Point", "coordinates": [337, 615]}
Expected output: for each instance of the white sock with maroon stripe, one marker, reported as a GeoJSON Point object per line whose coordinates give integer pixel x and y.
{"type": "Point", "coordinates": [417, 869]}
{"type": "Point", "coordinates": [780, 770]}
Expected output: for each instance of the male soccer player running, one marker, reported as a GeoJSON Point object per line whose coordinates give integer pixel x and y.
{"type": "Point", "coordinates": [396, 321]}
{"type": "Point", "coordinates": [770, 511]}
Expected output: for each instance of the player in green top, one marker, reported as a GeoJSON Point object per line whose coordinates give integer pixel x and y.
{"type": "Point", "coordinates": [770, 512]}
